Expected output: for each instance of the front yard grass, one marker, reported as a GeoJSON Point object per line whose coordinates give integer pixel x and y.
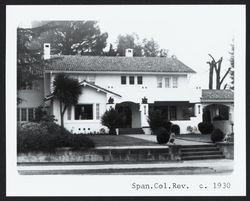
{"type": "Point", "coordinates": [118, 140]}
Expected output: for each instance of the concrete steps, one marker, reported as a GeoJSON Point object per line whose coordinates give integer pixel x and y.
{"type": "Point", "coordinates": [201, 152]}
{"type": "Point", "coordinates": [128, 131]}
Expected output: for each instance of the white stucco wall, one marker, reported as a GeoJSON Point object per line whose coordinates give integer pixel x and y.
{"type": "Point", "coordinates": [31, 98]}
{"type": "Point", "coordinates": [88, 96]}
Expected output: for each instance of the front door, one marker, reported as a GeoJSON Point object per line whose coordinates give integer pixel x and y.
{"type": "Point", "coordinates": [126, 116]}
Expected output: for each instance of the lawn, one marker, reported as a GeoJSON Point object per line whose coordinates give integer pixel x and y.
{"type": "Point", "coordinates": [195, 137]}
{"type": "Point", "coordinates": [118, 140]}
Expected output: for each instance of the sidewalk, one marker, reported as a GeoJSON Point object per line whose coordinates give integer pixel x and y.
{"type": "Point", "coordinates": [221, 166]}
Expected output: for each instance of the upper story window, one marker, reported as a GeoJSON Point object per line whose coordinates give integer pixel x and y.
{"type": "Point", "coordinates": [175, 82]}
{"type": "Point", "coordinates": [159, 82]}
{"type": "Point", "coordinates": [31, 85]}
{"type": "Point", "coordinates": [139, 79]}
{"type": "Point", "coordinates": [123, 80]}
{"type": "Point", "coordinates": [167, 82]}
{"type": "Point", "coordinates": [131, 80]}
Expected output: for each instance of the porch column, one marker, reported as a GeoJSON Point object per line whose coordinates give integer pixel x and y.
{"type": "Point", "coordinates": [144, 118]}
{"type": "Point", "coordinates": [198, 112]}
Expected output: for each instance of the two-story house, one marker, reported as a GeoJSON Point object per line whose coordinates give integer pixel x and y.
{"type": "Point", "coordinates": [136, 85]}
{"type": "Point", "coordinates": [163, 83]}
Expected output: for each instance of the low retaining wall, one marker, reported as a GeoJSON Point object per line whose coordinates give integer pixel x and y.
{"type": "Point", "coordinates": [227, 148]}
{"type": "Point", "coordinates": [102, 155]}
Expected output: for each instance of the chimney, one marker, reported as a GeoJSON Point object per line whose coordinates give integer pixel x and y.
{"type": "Point", "coordinates": [46, 51]}
{"type": "Point", "coordinates": [129, 53]}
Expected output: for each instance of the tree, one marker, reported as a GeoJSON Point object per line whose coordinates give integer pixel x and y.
{"type": "Point", "coordinates": [231, 60]}
{"type": "Point", "coordinates": [111, 52]}
{"type": "Point", "coordinates": [129, 41]}
{"type": "Point", "coordinates": [216, 65]}
{"type": "Point", "coordinates": [28, 55]}
{"type": "Point", "coordinates": [75, 37]}
{"type": "Point", "coordinates": [66, 90]}
{"type": "Point", "coordinates": [163, 53]}
{"type": "Point", "coordinates": [150, 47]}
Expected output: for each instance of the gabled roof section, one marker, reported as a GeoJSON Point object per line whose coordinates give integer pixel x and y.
{"type": "Point", "coordinates": [117, 64]}
{"type": "Point", "coordinates": [86, 83]}
{"type": "Point", "coordinates": [217, 95]}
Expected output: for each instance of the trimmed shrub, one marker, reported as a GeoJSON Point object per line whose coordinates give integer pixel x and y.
{"type": "Point", "coordinates": [112, 119]}
{"type": "Point", "coordinates": [162, 135]}
{"type": "Point", "coordinates": [175, 129]}
{"type": "Point", "coordinates": [167, 125]}
{"type": "Point", "coordinates": [219, 118]}
{"type": "Point", "coordinates": [155, 120]}
{"type": "Point", "coordinates": [217, 135]}
{"type": "Point", "coordinates": [205, 127]}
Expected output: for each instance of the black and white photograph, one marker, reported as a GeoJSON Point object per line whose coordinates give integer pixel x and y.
{"type": "Point", "coordinates": [130, 100]}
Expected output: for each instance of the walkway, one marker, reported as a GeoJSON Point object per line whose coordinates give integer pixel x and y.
{"type": "Point", "coordinates": [152, 138]}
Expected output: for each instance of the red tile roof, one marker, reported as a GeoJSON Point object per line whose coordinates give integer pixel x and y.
{"type": "Point", "coordinates": [221, 95]}
{"type": "Point", "coordinates": [117, 64]}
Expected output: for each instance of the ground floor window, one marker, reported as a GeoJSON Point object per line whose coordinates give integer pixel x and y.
{"type": "Point", "coordinates": [25, 114]}
{"type": "Point", "coordinates": [98, 111]}
{"type": "Point", "coordinates": [84, 112]}
{"type": "Point", "coordinates": [172, 113]}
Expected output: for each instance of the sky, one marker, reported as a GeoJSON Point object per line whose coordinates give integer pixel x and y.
{"type": "Point", "coordinates": [189, 32]}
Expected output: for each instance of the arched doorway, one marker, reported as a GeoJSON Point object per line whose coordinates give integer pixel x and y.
{"type": "Point", "coordinates": [219, 115]}
{"type": "Point", "coordinates": [131, 114]}
{"type": "Point", "coordinates": [215, 112]}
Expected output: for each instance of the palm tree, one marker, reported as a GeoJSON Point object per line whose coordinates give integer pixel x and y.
{"type": "Point", "coordinates": [66, 90]}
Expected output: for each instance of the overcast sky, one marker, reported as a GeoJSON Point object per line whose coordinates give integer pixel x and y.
{"type": "Point", "coordinates": [189, 32]}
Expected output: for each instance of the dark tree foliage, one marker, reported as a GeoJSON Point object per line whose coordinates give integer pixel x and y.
{"type": "Point", "coordinates": [66, 90]}
{"type": "Point", "coordinates": [75, 37]}
{"type": "Point", "coordinates": [128, 41]}
{"type": "Point", "coordinates": [150, 47]}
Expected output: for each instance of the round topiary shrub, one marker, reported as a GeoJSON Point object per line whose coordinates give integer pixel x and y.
{"type": "Point", "coordinates": [167, 125]}
{"type": "Point", "coordinates": [162, 135]}
{"type": "Point", "coordinates": [217, 135]}
{"type": "Point", "coordinates": [175, 129]}
{"type": "Point", "coordinates": [205, 127]}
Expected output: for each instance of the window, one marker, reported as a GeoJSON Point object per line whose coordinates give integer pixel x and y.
{"type": "Point", "coordinates": [139, 79]}
{"type": "Point", "coordinates": [167, 82]}
{"type": "Point", "coordinates": [159, 82]}
{"type": "Point", "coordinates": [131, 80]}
{"type": "Point", "coordinates": [69, 113]}
{"type": "Point", "coordinates": [84, 112]}
{"type": "Point", "coordinates": [27, 85]}
{"type": "Point", "coordinates": [24, 114]}
{"type": "Point", "coordinates": [30, 114]}
{"type": "Point", "coordinates": [175, 82]}
{"type": "Point", "coordinates": [172, 112]}
{"type": "Point", "coordinates": [97, 111]}
{"type": "Point", "coordinates": [123, 80]}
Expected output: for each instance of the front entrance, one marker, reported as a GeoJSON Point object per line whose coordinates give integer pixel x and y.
{"type": "Point", "coordinates": [131, 114]}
